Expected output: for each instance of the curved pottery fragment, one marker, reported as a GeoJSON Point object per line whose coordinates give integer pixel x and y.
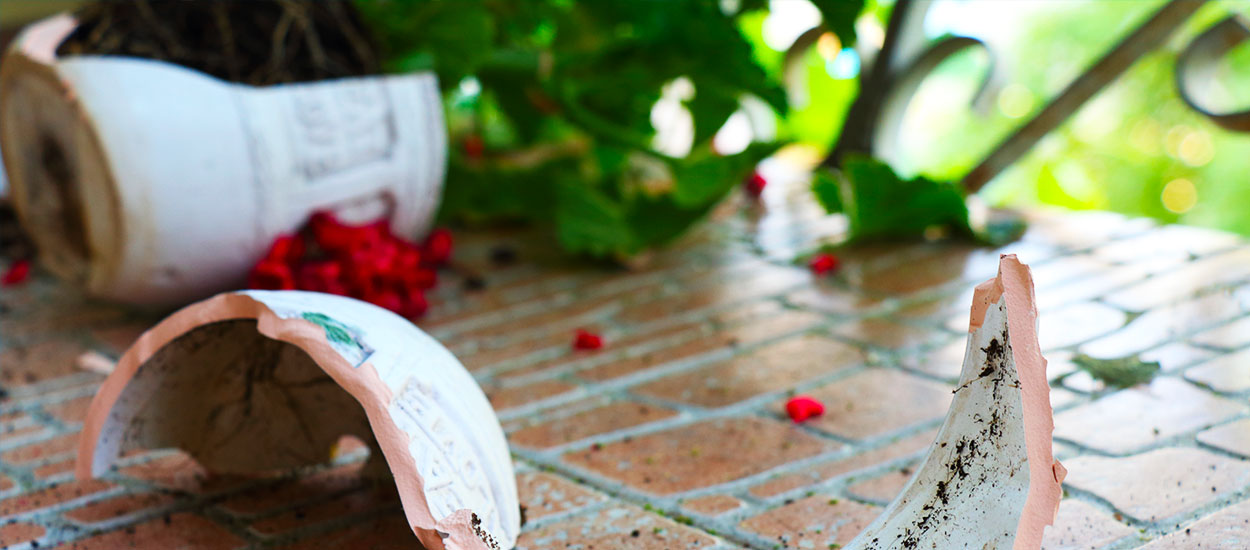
{"type": "Point", "coordinates": [989, 481]}
{"type": "Point", "coordinates": [259, 380]}
{"type": "Point", "coordinates": [148, 182]}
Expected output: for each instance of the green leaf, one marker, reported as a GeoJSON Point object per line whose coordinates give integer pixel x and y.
{"type": "Point", "coordinates": [657, 221]}
{"type": "Point", "coordinates": [839, 16]}
{"type": "Point", "coordinates": [589, 222]}
{"type": "Point", "coordinates": [1122, 372]}
{"type": "Point", "coordinates": [560, 72]}
{"type": "Point", "coordinates": [710, 108]}
{"type": "Point", "coordinates": [451, 37]}
{"type": "Point", "coordinates": [827, 190]}
{"type": "Point", "coordinates": [882, 206]}
{"type": "Point", "coordinates": [704, 177]}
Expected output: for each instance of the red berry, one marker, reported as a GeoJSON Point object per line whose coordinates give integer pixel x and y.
{"type": "Point", "coordinates": [824, 263]}
{"type": "Point", "coordinates": [328, 232]}
{"type": "Point", "coordinates": [336, 237]}
{"type": "Point", "coordinates": [408, 259]}
{"type": "Point", "coordinates": [802, 407]}
{"type": "Point", "coordinates": [336, 287]}
{"type": "Point", "coordinates": [386, 299]}
{"type": "Point", "coordinates": [474, 146]}
{"type": "Point", "coordinates": [17, 273]}
{"type": "Point", "coordinates": [286, 248]}
{"type": "Point", "coordinates": [438, 246]}
{"type": "Point", "coordinates": [587, 340]}
{"type": "Point", "coordinates": [414, 304]}
{"type": "Point", "coordinates": [367, 262]}
{"type": "Point", "coordinates": [755, 184]}
{"type": "Point", "coordinates": [320, 276]}
{"type": "Point", "coordinates": [421, 278]}
{"type": "Point", "coordinates": [271, 275]}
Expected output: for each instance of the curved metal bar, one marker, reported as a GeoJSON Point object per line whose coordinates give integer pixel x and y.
{"type": "Point", "coordinates": [908, 81]}
{"type": "Point", "coordinates": [875, 80]}
{"type": "Point", "coordinates": [1197, 66]}
{"type": "Point", "coordinates": [792, 75]}
{"type": "Point", "coordinates": [1145, 38]}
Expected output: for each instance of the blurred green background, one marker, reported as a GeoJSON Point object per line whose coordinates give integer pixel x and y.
{"type": "Point", "coordinates": [1136, 148]}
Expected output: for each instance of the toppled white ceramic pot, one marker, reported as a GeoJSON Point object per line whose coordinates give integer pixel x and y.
{"type": "Point", "coordinates": [989, 481]}
{"type": "Point", "coordinates": [260, 380]}
{"type": "Point", "coordinates": [148, 182]}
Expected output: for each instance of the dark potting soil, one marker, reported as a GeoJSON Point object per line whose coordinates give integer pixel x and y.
{"type": "Point", "coordinates": [14, 245]}
{"type": "Point", "coordinates": [257, 42]}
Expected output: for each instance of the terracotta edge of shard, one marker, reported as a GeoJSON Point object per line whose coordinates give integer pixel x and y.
{"type": "Point", "coordinates": [1046, 474]}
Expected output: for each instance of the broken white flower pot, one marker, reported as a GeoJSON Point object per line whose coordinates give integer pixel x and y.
{"type": "Point", "coordinates": [990, 480]}
{"type": "Point", "coordinates": [255, 381]}
{"type": "Point", "coordinates": [148, 182]}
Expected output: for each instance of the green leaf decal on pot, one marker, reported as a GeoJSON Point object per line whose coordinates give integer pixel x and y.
{"type": "Point", "coordinates": [344, 338]}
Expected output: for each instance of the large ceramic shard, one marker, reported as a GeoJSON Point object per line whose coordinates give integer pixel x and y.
{"type": "Point", "coordinates": [260, 381]}
{"type": "Point", "coordinates": [989, 481]}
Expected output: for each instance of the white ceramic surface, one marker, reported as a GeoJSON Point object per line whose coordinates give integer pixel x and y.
{"type": "Point", "coordinates": [147, 182]}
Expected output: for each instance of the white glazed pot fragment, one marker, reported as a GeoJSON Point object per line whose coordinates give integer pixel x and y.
{"type": "Point", "coordinates": [147, 182]}
{"type": "Point", "coordinates": [258, 380]}
{"type": "Point", "coordinates": [989, 481]}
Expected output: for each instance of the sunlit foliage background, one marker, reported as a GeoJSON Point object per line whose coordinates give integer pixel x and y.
{"type": "Point", "coordinates": [1135, 148]}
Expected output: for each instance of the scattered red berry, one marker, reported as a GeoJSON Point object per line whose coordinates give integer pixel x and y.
{"type": "Point", "coordinates": [17, 273]}
{"type": "Point", "coordinates": [803, 407]}
{"type": "Point", "coordinates": [824, 263]}
{"type": "Point", "coordinates": [438, 246]}
{"type": "Point", "coordinates": [587, 340]}
{"type": "Point", "coordinates": [755, 184]}
{"type": "Point", "coordinates": [367, 262]}
{"type": "Point", "coordinates": [473, 146]}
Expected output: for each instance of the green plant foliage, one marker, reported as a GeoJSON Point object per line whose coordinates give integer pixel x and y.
{"type": "Point", "coordinates": [1119, 151]}
{"type": "Point", "coordinates": [882, 206]}
{"type": "Point", "coordinates": [827, 190]}
{"type": "Point", "coordinates": [839, 17]}
{"type": "Point", "coordinates": [1122, 372]}
{"type": "Point", "coordinates": [561, 94]}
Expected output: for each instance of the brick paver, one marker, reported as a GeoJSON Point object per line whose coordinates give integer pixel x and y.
{"type": "Point", "coordinates": [1162, 483]}
{"type": "Point", "coordinates": [1082, 526]}
{"type": "Point", "coordinates": [818, 521]}
{"type": "Point", "coordinates": [1134, 418]}
{"type": "Point", "coordinates": [674, 435]}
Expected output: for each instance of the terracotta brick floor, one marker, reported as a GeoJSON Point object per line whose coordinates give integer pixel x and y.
{"type": "Point", "coordinates": [673, 435]}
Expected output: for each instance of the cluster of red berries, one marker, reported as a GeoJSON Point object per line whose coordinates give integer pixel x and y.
{"type": "Point", "coordinates": [367, 262]}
